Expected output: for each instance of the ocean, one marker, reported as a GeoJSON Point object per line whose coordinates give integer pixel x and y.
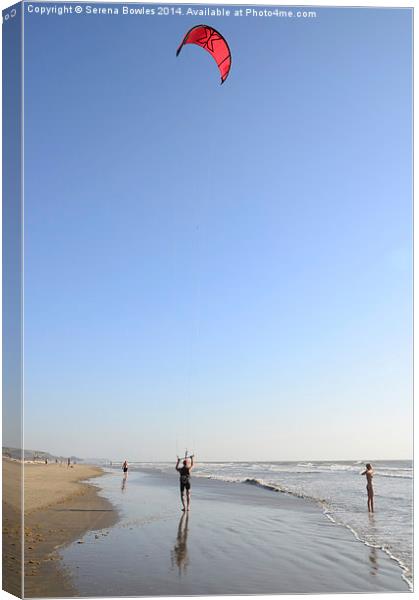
{"type": "Point", "coordinates": [339, 490]}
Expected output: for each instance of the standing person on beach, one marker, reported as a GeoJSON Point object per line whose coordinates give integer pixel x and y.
{"type": "Point", "coordinates": [185, 483]}
{"type": "Point", "coordinates": [369, 475]}
{"type": "Point", "coordinates": [125, 468]}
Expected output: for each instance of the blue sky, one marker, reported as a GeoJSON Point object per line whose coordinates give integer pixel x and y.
{"type": "Point", "coordinates": [223, 267]}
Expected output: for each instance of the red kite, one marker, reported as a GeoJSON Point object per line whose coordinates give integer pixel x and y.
{"type": "Point", "coordinates": [213, 42]}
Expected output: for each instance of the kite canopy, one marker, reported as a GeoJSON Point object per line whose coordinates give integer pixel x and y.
{"type": "Point", "coordinates": [213, 42]}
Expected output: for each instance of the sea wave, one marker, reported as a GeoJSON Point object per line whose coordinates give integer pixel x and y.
{"type": "Point", "coordinates": [275, 487]}
{"type": "Point", "coordinates": [396, 475]}
{"type": "Point", "coordinates": [262, 484]}
{"type": "Point", "coordinates": [217, 469]}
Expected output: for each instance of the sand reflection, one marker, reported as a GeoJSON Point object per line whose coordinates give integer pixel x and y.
{"type": "Point", "coordinates": [373, 557]}
{"type": "Point", "coordinates": [373, 561]}
{"type": "Point", "coordinates": [179, 554]}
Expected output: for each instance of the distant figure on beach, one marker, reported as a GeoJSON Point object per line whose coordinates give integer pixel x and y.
{"type": "Point", "coordinates": [185, 483]}
{"type": "Point", "coordinates": [68, 462]}
{"type": "Point", "coordinates": [369, 475]}
{"type": "Point", "coordinates": [125, 468]}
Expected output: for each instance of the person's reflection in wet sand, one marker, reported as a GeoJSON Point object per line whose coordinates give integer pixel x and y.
{"type": "Point", "coordinates": [124, 483]}
{"type": "Point", "coordinates": [373, 557]}
{"type": "Point", "coordinates": [180, 549]}
{"type": "Point", "coordinates": [373, 560]}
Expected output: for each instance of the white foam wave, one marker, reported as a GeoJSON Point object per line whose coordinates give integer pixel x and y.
{"type": "Point", "coordinates": [405, 570]}
{"type": "Point", "coordinates": [396, 475]}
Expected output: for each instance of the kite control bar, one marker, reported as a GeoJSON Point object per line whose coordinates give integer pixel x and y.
{"type": "Point", "coordinates": [186, 455]}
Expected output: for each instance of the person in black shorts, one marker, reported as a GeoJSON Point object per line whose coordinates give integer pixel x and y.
{"type": "Point", "coordinates": [185, 483]}
{"type": "Point", "coordinates": [125, 468]}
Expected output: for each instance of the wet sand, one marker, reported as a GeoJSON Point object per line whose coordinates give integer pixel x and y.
{"type": "Point", "coordinates": [59, 508]}
{"type": "Point", "coordinates": [237, 539]}
{"type": "Point", "coordinates": [129, 538]}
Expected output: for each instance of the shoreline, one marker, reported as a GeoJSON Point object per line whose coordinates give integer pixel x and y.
{"type": "Point", "coordinates": [255, 541]}
{"type": "Point", "coordinates": [403, 568]}
{"type": "Point", "coordinates": [60, 507]}
{"type": "Point", "coordinates": [379, 538]}
{"type": "Point", "coordinates": [78, 534]}
{"type": "Point", "coordinates": [322, 509]}
{"type": "Point", "coordinates": [321, 505]}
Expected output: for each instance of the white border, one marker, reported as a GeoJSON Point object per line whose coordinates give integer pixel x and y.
{"type": "Point", "coordinates": [320, 3]}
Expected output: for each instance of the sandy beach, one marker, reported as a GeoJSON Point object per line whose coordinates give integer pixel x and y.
{"type": "Point", "coordinates": [130, 538]}
{"type": "Point", "coordinates": [59, 508]}
{"type": "Point", "coordinates": [12, 527]}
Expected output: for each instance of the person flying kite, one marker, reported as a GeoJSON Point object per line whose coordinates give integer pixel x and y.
{"type": "Point", "coordinates": [185, 483]}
